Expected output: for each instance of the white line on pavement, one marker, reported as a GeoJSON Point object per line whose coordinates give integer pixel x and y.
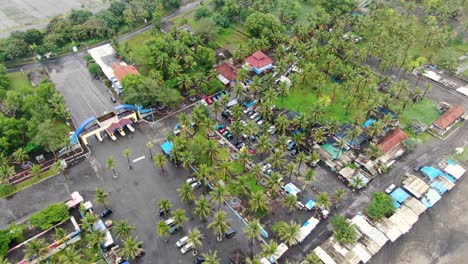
{"type": "Point", "coordinates": [138, 159]}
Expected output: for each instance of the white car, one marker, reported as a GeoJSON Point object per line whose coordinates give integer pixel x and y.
{"type": "Point", "coordinates": [271, 129]}
{"type": "Point", "coordinates": [254, 115]}
{"type": "Point", "coordinates": [186, 248]}
{"type": "Point", "coordinates": [243, 122]}
{"type": "Point", "coordinates": [190, 180]}
{"type": "Point", "coordinates": [266, 166]}
{"type": "Point", "coordinates": [203, 102]}
{"type": "Point", "coordinates": [182, 241]}
{"type": "Point", "coordinates": [247, 110]}
{"type": "Point", "coordinates": [195, 184]}
{"type": "Point", "coordinates": [260, 122]}
{"type": "Point", "coordinates": [390, 189]}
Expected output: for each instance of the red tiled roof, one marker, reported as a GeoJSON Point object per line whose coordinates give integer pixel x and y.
{"type": "Point", "coordinates": [123, 122]}
{"type": "Point", "coordinates": [114, 126]}
{"type": "Point", "coordinates": [391, 140]}
{"type": "Point", "coordinates": [449, 117]}
{"type": "Point", "coordinates": [258, 60]}
{"type": "Point", "coordinates": [227, 70]}
{"type": "Point", "coordinates": [121, 70]}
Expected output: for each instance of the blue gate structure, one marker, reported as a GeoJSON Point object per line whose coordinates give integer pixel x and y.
{"type": "Point", "coordinates": [83, 125]}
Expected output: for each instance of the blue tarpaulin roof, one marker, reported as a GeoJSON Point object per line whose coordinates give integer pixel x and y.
{"type": "Point", "coordinates": [309, 205]}
{"type": "Point", "coordinates": [451, 162]}
{"type": "Point", "coordinates": [431, 198]}
{"type": "Point", "coordinates": [439, 187]}
{"type": "Point", "coordinates": [167, 147]}
{"type": "Point", "coordinates": [396, 204]}
{"type": "Point", "coordinates": [400, 195]}
{"type": "Point", "coordinates": [432, 173]}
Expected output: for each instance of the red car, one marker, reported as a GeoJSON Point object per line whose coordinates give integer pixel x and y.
{"type": "Point", "coordinates": [251, 151]}
{"type": "Point", "coordinates": [222, 130]}
{"type": "Point", "coordinates": [208, 100]}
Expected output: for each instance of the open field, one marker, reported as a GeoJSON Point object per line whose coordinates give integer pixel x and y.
{"type": "Point", "coordinates": [26, 14]}
{"type": "Point", "coordinates": [424, 111]}
{"type": "Point", "coordinates": [19, 80]}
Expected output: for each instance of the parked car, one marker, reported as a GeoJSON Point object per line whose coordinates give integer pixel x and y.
{"type": "Point", "coordinates": [113, 100]}
{"type": "Point", "coordinates": [417, 168]}
{"type": "Point", "coordinates": [254, 115]}
{"type": "Point", "coordinates": [195, 184]}
{"type": "Point", "coordinates": [230, 233]}
{"type": "Point", "coordinates": [208, 100]}
{"type": "Point", "coordinates": [226, 114]}
{"type": "Point", "coordinates": [173, 229]}
{"type": "Point", "coordinates": [243, 122]}
{"type": "Point", "coordinates": [272, 129]}
{"type": "Point", "coordinates": [170, 221]}
{"type": "Point", "coordinates": [260, 122]}
{"type": "Point", "coordinates": [291, 145]}
{"type": "Point", "coordinates": [186, 248]}
{"type": "Point", "coordinates": [229, 136]}
{"type": "Point", "coordinates": [191, 180]}
{"type": "Point", "coordinates": [294, 152]}
{"type": "Point", "coordinates": [181, 242]}
{"type": "Point", "coordinates": [199, 260]}
{"type": "Point", "coordinates": [105, 213]}
{"type": "Point", "coordinates": [390, 189]}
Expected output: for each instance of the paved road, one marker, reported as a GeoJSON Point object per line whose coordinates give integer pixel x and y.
{"type": "Point", "coordinates": [133, 195]}
{"type": "Point", "coordinates": [84, 95]}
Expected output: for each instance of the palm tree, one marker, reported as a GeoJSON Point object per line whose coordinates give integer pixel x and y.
{"type": "Point", "coordinates": [340, 145]}
{"type": "Point", "coordinates": [202, 208]}
{"type": "Point", "coordinates": [373, 151]}
{"type": "Point", "coordinates": [37, 248]}
{"type": "Point", "coordinates": [218, 194]}
{"type": "Point", "coordinates": [244, 159]}
{"type": "Point", "coordinates": [101, 196]}
{"type": "Point", "coordinates": [211, 258]}
{"type": "Point", "coordinates": [88, 221]}
{"type": "Point", "coordinates": [277, 160]}
{"type": "Point", "coordinates": [313, 158]}
{"type": "Point", "coordinates": [254, 260]}
{"type": "Point", "coordinates": [274, 183]}
{"type": "Point", "coordinates": [290, 168]}
{"type": "Point", "coordinates": [308, 177]}
{"type": "Point", "coordinates": [70, 255]}
{"type": "Point", "coordinates": [281, 123]}
{"type": "Point", "coordinates": [323, 201]}
{"type": "Point", "coordinates": [216, 108]}
{"type": "Point", "coordinates": [319, 136]}
{"type": "Point", "coordinates": [257, 172]}
{"type": "Point", "coordinates": [59, 234]}
{"type": "Point", "coordinates": [339, 193]}
{"type": "Point", "coordinates": [186, 193]}
{"type": "Point", "coordinates": [375, 129]}
{"type": "Point", "coordinates": [95, 239]}
{"type": "Point", "coordinates": [179, 217]}
{"type": "Point", "coordinates": [149, 145]}
{"type": "Point", "coordinates": [236, 112]}
{"type": "Point", "coordinates": [290, 202]}
{"type": "Point", "coordinates": [269, 249]}
{"type": "Point", "coordinates": [4, 261]}
{"type": "Point", "coordinates": [131, 248]}
{"type": "Point", "coordinates": [36, 170]}
{"type": "Point", "coordinates": [110, 164]}
{"type": "Point", "coordinates": [253, 230]}
{"type": "Point", "coordinates": [263, 145]}
{"type": "Point", "coordinates": [187, 158]}
{"type": "Point", "coordinates": [126, 153]}
{"type": "Point", "coordinates": [19, 156]}
{"type": "Point", "coordinates": [223, 169]}
{"type": "Point", "coordinates": [123, 229]}
{"type": "Point", "coordinates": [312, 259]}
{"type": "Point", "coordinates": [289, 232]}
{"type": "Point", "coordinates": [353, 134]}
{"type": "Point", "coordinates": [162, 230]}
{"type": "Point", "coordinates": [300, 158]}
{"type": "Point", "coordinates": [165, 205]}
{"type": "Point", "coordinates": [219, 224]}
{"type": "Point", "coordinates": [195, 237]}
{"type": "Point", "coordinates": [258, 202]}
{"type": "Point", "coordinates": [211, 149]}
{"type": "Point", "coordinates": [160, 160]}
{"type": "Point", "coordinates": [60, 168]}
{"type": "Point", "coordinates": [356, 183]}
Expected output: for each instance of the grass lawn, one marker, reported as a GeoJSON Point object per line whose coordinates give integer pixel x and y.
{"type": "Point", "coordinates": [134, 48]}
{"type": "Point", "coordinates": [230, 38]}
{"type": "Point", "coordinates": [18, 80]}
{"type": "Point", "coordinates": [424, 111]}
{"type": "Point", "coordinates": [300, 100]}
{"type": "Point", "coordinates": [253, 185]}
{"type": "Point", "coordinates": [236, 168]}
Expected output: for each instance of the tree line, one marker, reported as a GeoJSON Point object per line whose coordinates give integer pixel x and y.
{"type": "Point", "coordinates": [81, 26]}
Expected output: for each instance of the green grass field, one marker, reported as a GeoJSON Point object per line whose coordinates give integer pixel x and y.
{"type": "Point", "coordinates": [300, 100]}
{"type": "Point", "coordinates": [253, 185]}
{"type": "Point", "coordinates": [19, 80]}
{"type": "Point", "coordinates": [424, 111]}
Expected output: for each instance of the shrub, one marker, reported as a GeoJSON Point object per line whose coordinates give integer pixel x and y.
{"type": "Point", "coordinates": [381, 205]}
{"type": "Point", "coordinates": [51, 215]}
{"type": "Point", "coordinates": [343, 232]}
{"type": "Point", "coordinates": [214, 86]}
{"type": "Point", "coordinates": [6, 189]}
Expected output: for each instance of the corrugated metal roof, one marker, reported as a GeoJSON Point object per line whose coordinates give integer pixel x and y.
{"type": "Point", "coordinates": [415, 186]}
{"type": "Point", "coordinates": [416, 206]}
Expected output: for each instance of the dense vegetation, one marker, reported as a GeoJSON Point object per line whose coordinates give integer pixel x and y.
{"type": "Point", "coordinates": [49, 216]}
{"type": "Point", "coordinates": [381, 205]}
{"type": "Point", "coordinates": [7, 236]}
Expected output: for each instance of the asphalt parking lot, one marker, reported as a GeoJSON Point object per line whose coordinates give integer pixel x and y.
{"type": "Point", "coordinates": [84, 95]}
{"type": "Point", "coordinates": [133, 196]}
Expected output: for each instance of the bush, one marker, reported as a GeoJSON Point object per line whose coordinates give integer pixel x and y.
{"type": "Point", "coordinates": [214, 86]}
{"type": "Point", "coordinates": [202, 11]}
{"type": "Point", "coordinates": [14, 232]}
{"type": "Point", "coordinates": [94, 69]}
{"type": "Point", "coordinates": [343, 232]}
{"type": "Point", "coordinates": [381, 205]}
{"type": "Point", "coordinates": [51, 215]}
{"type": "Point", "coordinates": [6, 189]}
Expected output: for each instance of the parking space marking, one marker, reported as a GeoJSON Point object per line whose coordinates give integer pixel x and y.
{"type": "Point", "coordinates": [138, 159]}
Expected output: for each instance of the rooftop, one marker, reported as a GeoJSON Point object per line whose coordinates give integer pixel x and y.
{"type": "Point", "coordinates": [227, 70]}
{"type": "Point", "coordinates": [391, 140]}
{"type": "Point", "coordinates": [258, 60]}
{"type": "Point", "coordinates": [122, 69]}
{"type": "Point", "coordinates": [447, 119]}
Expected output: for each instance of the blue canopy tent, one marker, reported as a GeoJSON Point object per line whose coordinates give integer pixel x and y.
{"type": "Point", "coordinates": [167, 148]}
{"type": "Point", "coordinates": [310, 205]}
{"type": "Point", "coordinates": [399, 195]}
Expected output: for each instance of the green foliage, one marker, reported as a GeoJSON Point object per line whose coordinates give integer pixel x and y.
{"type": "Point", "coordinates": [338, 7]}
{"type": "Point", "coordinates": [201, 12]}
{"type": "Point", "coordinates": [263, 25]}
{"type": "Point", "coordinates": [380, 206]}
{"type": "Point", "coordinates": [147, 91]}
{"type": "Point", "coordinates": [214, 86]}
{"type": "Point", "coordinates": [51, 215]}
{"type": "Point", "coordinates": [343, 232]}
{"type": "Point", "coordinates": [94, 69]}
{"type": "Point", "coordinates": [13, 233]}
{"type": "Point", "coordinates": [170, 4]}
{"type": "Point", "coordinates": [6, 189]}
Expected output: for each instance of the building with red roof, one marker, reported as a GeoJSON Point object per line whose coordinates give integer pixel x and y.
{"type": "Point", "coordinates": [448, 119]}
{"type": "Point", "coordinates": [259, 62]}
{"type": "Point", "coordinates": [227, 73]}
{"type": "Point", "coordinates": [392, 140]}
{"type": "Point", "coordinates": [122, 69]}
